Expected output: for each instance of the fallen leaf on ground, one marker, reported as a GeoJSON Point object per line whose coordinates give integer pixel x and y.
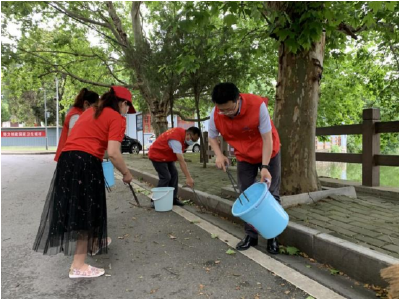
{"type": "Point", "coordinates": [201, 287]}
{"type": "Point", "coordinates": [213, 236]}
{"type": "Point", "coordinates": [287, 292]}
{"type": "Point", "coordinates": [107, 275]}
{"type": "Point", "coordinates": [217, 262]}
{"type": "Point", "coordinates": [172, 237]}
{"type": "Point", "coordinates": [230, 251]}
{"type": "Point", "coordinates": [153, 291]}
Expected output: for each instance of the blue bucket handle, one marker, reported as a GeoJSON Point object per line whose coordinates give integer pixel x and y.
{"type": "Point", "coordinates": [161, 196]}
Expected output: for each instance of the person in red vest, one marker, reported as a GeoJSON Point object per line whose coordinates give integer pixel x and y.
{"type": "Point", "coordinates": [168, 148]}
{"type": "Point", "coordinates": [83, 101]}
{"type": "Point", "coordinates": [243, 121]}
{"type": "Point", "coordinates": [74, 217]}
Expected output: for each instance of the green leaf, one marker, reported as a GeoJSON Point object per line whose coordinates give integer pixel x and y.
{"type": "Point", "coordinates": [310, 297]}
{"type": "Point", "coordinates": [375, 5]}
{"type": "Point", "coordinates": [308, 266]}
{"type": "Point", "coordinates": [214, 236]}
{"type": "Point", "coordinates": [334, 271]}
{"type": "Point", "coordinates": [230, 251]}
{"type": "Point", "coordinates": [292, 250]}
{"type": "Point", "coordinates": [391, 5]}
{"type": "Point", "coordinates": [229, 20]}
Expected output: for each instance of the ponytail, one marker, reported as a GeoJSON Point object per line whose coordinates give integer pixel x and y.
{"type": "Point", "coordinates": [109, 99]}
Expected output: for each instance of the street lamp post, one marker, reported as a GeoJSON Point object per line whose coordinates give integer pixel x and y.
{"type": "Point", "coordinates": [45, 119]}
{"type": "Point", "coordinates": [57, 132]}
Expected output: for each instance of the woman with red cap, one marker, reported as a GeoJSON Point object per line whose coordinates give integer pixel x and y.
{"type": "Point", "coordinates": [83, 101]}
{"type": "Point", "coordinates": [74, 218]}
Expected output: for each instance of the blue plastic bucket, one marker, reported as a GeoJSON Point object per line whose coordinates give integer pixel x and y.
{"type": "Point", "coordinates": [163, 198]}
{"type": "Point", "coordinates": [262, 211]}
{"type": "Point", "coordinates": [108, 170]}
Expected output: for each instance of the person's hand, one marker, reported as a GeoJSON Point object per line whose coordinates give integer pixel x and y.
{"type": "Point", "coordinates": [266, 176]}
{"type": "Point", "coordinates": [189, 182]}
{"type": "Point", "coordinates": [127, 177]}
{"type": "Point", "coordinates": [221, 162]}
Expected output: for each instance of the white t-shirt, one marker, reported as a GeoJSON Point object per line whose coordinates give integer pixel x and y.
{"type": "Point", "coordinates": [175, 145]}
{"type": "Point", "coordinates": [73, 120]}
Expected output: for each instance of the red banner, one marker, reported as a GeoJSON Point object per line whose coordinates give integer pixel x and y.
{"type": "Point", "coordinates": [23, 134]}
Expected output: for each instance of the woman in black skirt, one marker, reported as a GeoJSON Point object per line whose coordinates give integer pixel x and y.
{"type": "Point", "coordinates": [74, 218]}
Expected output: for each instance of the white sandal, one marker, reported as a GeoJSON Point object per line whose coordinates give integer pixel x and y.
{"type": "Point", "coordinates": [91, 272]}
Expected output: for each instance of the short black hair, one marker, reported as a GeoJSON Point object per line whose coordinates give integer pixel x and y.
{"type": "Point", "coordinates": [194, 130]}
{"type": "Point", "coordinates": [225, 92]}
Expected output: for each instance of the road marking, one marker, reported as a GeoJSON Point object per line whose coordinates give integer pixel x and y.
{"type": "Point", "coordinates": [299, 280]}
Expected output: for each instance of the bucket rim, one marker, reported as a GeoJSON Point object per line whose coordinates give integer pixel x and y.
{"type": "Point", "coordinates": [162, 189]}
{"type": "Point", "coordinates": [264, 194]}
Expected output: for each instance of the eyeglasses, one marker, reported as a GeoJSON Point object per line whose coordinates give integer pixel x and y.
{"type": "Point", "coordinates": [228, 111]}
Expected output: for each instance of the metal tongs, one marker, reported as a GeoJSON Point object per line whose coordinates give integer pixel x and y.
{"type": "Point", "coordinates": [197, 197]}
{"type": "Point", "coordinates": [233, 182]}
{"type": "Point", "coordinates": [134, 194]}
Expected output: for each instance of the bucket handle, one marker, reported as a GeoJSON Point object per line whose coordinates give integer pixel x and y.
{"type": "Point", "coordinates": [160, 196]}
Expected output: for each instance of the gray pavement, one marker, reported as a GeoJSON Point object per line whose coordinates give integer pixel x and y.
{"type": "Point", "coordinates": [369, 220]}
{"type": "Point", "coordinates": [153, 255]}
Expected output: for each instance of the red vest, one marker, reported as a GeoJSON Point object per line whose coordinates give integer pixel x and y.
{"type": "Point", "coordinates": [242, 133]}
{"type": "Point", "coordinates": [160, 151]}
{"type": "Point", "coordinates": [64, 132]}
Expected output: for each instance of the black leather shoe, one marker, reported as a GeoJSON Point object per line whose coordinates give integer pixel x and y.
{"type": "Point", "coordinates": [177, 202]}
{"type": "Point", "coordinates": [246, 243]}
{"type": "Point", "coordinates": [272, 246]}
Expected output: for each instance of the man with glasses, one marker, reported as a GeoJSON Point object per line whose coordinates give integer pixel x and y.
{"type": "Point", "coordinates": [243, 121]}
{"type": "Point", "coordinates": [168, 148]}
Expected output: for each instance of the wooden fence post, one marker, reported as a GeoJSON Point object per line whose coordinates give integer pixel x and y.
{"type": "Point", "coordinates": [370, 147]}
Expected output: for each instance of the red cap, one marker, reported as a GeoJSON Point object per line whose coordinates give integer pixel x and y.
{"type": "Point", "coordinates": [124, 93]}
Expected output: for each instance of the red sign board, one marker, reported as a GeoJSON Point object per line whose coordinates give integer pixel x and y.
{"type": "Point", "coordinates": [23, 134]}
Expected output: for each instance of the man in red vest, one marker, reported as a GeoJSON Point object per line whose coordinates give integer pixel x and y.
{"type": "Point", "coordinates": [168, 148]}
{"type": "Point", "coordinates": [243, 121]}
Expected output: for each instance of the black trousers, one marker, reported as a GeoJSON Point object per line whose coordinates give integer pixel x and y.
{"type": "Point", "coordinates": [246, 176]}
{"type": "Point", "coordinates": [167, 175]}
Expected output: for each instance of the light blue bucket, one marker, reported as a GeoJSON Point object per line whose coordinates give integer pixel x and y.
{"type": "Point", "coordinates": [108, 170]}
{"type": "Point", "coordinates": [262, 211]}
{"type": "Point", "coordinates": [163, 198]}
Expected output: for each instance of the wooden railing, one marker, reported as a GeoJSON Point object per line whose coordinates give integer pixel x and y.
{"type": "Point", "coordinates": [371, 159]}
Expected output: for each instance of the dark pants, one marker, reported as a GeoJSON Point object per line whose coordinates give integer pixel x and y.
{"type": "Point", "coordinates": [246, 175]}
{"type": "Point", "coordinates": [167, 175]}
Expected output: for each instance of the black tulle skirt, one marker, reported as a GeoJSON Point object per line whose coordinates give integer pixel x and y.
{"type": "Point", "coordinates": [75, 211]}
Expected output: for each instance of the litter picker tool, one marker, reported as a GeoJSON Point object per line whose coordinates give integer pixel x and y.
{"type": "Point", "coordinates": [134, 194]}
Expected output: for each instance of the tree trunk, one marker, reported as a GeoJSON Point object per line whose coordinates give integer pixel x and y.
{"type": "Point", "coordinates": [297, 96]}
{"type": "Point", "coordinates": [158, 118]}
{"type": "Point", "coordinates": [202, 147]}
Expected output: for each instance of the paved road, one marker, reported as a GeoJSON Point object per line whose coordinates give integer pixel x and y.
{"type": "Point", "coordinates": [153, 255]}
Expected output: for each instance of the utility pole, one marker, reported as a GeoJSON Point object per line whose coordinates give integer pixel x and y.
{"type": "Point", "coordinates": [57, 132]}
{"type": "Point", "coordinates": [45, 119]}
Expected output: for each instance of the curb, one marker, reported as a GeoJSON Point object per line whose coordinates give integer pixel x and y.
{"type": "Point", "coordinates": [360, 263]}
{"type": "Point", "coordinates": [387, 192]}
{"type": "Point", "coordinates": [27, 153]}
{"type": "Point", "coordinates": [303, 198]}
